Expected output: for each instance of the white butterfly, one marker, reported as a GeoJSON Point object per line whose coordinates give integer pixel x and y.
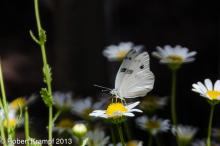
{"type": "Point", "coordinates": [134, 78]}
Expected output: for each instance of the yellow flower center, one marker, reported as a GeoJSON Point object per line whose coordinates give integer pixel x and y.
{"type": "Point", "coordinates": [213, 94]}
{"type": "Point", "coordinates": [115, 108]}
{"type": "Point", "coordinates": [18, 103]}
{"type": "Point", "coordinates": [121, 54]}
{"type": "Point", "coordinates": [65, 123]}
{"type": "Point", "coordinates": [10, 124]}
{"type": "Point", "coordinates": [132, 143]}
{"type": "Point", "coordinates": [152, 124]}
{"type": "Point", "coordinates": [175, 59]}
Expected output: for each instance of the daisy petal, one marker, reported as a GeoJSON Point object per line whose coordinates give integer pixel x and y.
{"type": "Point", "coordinates": [217, 85]}
{"type": "Point", "coordinates": [131, 106]}
{"type": "Point", "coordinates": [208, 84]}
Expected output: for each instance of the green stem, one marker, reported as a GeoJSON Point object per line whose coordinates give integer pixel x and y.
{"type": "Point", "coordinates": [26, 126]}
{"type": "Point", "coordinates": [3, 136]}
{"type": "Point", "coordinates": [173, 98]}
{"type": "Point", "coordinates": [4, 100]}
{"type": "Point", "coordinates": [57, 115]}
{"type": "Point", "coordinates": [127, 130]}
{"type": "Point", "coordinates": [113, 136]}
{"type": "Point", "coordinates": [210, 125]}
{"type": "Point", "coordinates": [157, 141]}
{"type": "Point", "coordinates": [44, 57]}
{"type": "Point", "coordinates": [120, 134]}
{"type": "Point", "coordinates": [150, 140]}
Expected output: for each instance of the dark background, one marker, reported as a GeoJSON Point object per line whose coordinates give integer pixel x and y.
{"type": "Point", "coordinates": [78, 31]}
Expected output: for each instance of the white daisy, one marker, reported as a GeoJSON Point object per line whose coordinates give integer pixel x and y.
{"type": "Point", "coordinates": [14, 119]}
{"type": "Point", "coordinates": [118, 52]}
{"type": "Point", "coordinates": [203, 143]}
{"type": "Point", "coordinates": [154, 125]}
{"type": "Point", "coordinates": [199, 143]}
{"type": "Point", "coordinates": [216, 133]}
{"type": "Point", "coordinates": [174, 55]}
{"type": "Point", "coordinates": [208, 90]}
{"type": "Point", "coordinates": [97, 138]}
{"type": "Point", "coordinates": [82, 107]}
{"type": "Point", "coordinates": [63, 101]}
{"type": "Point", "coordinates": [183, 133]}
{"type": "Point", "coordinates": [117, 110]}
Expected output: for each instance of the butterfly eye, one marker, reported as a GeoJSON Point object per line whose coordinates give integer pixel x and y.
{"type": "Point", "coordinates": [142, 66]}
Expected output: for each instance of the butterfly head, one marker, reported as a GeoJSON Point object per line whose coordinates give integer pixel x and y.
{"type": "Point", "coordinates": [115, 93]}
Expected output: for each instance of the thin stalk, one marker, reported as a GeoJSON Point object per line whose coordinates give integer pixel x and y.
{"type": "Point", "coordinates": [210, 125]}
{"type": "Point", "coordinates": [4, 100]}
{"type": "Point", "coordinates": [26, 126]}
{"type": "Point", "coordinates": [150, 140]}
{"type": "Point", "coordinates": [157, 141]}
{"type": "Point", "coordinates": [120, 134]}
{"type": "Point", "coordinates": [3, 136]}
{"type": "Point", "coordinates": [127, 130]}
{"type": "Point", "coordinates": [44, 57]}
{"type": "Point", "coordinates": [173, 98]}
{"type": "Point", "coordinates": [113, 136]}
{"type": "Point", "coordinates": [57, 115]}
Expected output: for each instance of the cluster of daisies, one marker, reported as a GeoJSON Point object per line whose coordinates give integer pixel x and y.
{"type": "Point", "coordinates": [117, 112]}
{"type": "Point", "coordinates": [174, 58]}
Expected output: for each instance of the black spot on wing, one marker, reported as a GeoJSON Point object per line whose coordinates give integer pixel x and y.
{"type": "Point", "coordinates": [141, 67]}
{"type": "Point", "coordinates": [126, 71]}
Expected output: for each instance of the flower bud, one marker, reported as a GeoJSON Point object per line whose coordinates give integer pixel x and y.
{"type": "Point", "coordinates": [79, 130]}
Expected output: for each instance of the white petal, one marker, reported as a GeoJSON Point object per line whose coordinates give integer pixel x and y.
{"type": "Point", "coordinates": [202, 87]}
{"type": "Point", "coordinates": [217, 85]}
{"type": "Point", "coordinates": [199, 89]}
{"type": "Point", "coordinates": [193, 53]}
{"type": "Point", "coordinates": [208, 84]}
{"type": "Point", "coordinates": [136, 110]}
{"type": "Point", "coordinates": [131, 106]}
{"type": "Point", "coordinates": [129, 114]}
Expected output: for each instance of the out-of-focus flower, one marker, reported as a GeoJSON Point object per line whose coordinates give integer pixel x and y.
{"type": "Point", "coordinates": [79, 130]}
{"type": "Point", "coordinates": [174, 55]}
{"type": "Point", "coordinates": [118, 52]}
{"type": "Point", "coordinates": [152, 103]}
{"type": "Point", "coordinates": [63, 101]}
{"type": "Point", "coordinates": [13, 119]}
{"type": "Point", "coordinates": [184, 134]}
{"type": "Point", "coordinates": [14, 113]}
{"type": "Point", "coordinates": [117, 112]}
{"type": "Point", "coordinates": [203, 143]}
{"type": "Point", "coordinates": [82, 107]}
{"type": "Point", "coordinates": [130, 143]}
{"type": "Point", "coordinates": [208, 90]}
{"type": "Point", "coordinates": [64, 125]}
{"type": "Point", "coordinates": [97, 138]}
{"type": "Point", "coordinates": [18, 103]}
{"type": "Point", "coordinates": [134, 143]}
{"type": "Point", "coordinates": [216, 133]}
{"type": "Point", "coordinates": [153, 125]}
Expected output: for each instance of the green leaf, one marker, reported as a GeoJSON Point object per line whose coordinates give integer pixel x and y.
{"type": "Point", "coordinates": [33, 37]}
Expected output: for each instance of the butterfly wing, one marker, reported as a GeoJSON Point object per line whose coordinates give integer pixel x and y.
{"type": "Point", "coordinates": [126, 63]}
{"type": "Point", "coordinates": [137, 79]}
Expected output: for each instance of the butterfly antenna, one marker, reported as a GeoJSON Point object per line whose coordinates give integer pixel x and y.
{"type": "Point", "coordinates": [106, 89]}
